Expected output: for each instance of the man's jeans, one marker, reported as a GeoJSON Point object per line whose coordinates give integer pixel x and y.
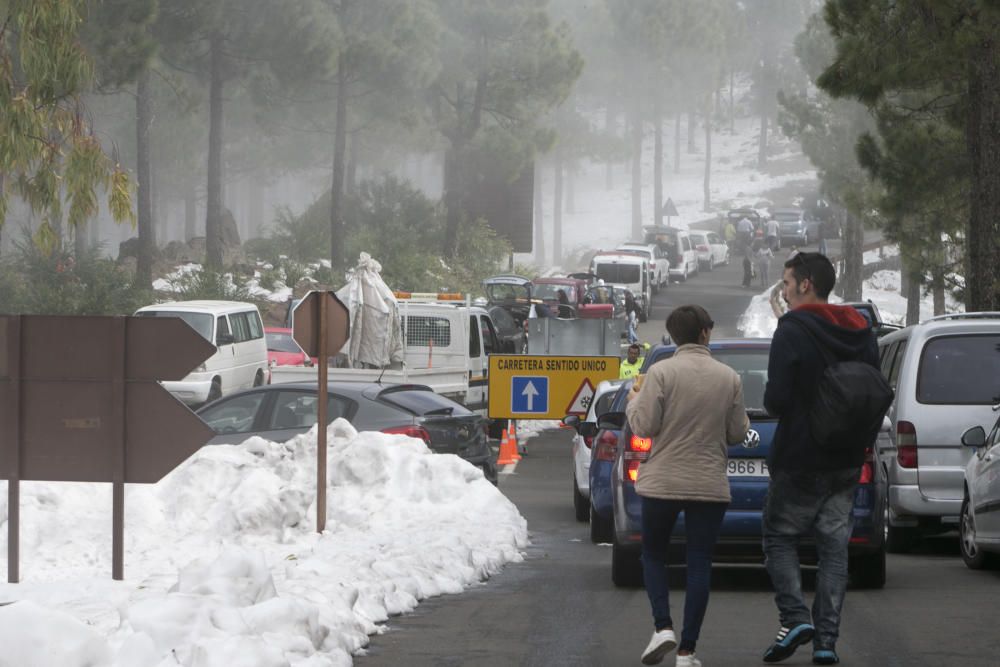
{"type": "Point", "coordinates": [702, 521]}
{"type": "Point", "coordinates": [800, 504]}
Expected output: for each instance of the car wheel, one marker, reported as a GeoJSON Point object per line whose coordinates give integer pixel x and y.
{"type": "Point", "coordinates": [900, 540]}
{"type": "Point", "coordinates": [867, 570]}
{"type": "Point", "coordinates": [600, 528]}
{"type": "Point", "coordinates": [581, 505]}
{"type": "Point", "coordinates": [626, 566]}
{"type": "Point", "coordinates": [974, 557]}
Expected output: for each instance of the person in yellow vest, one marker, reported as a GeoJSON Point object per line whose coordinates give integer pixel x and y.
{"type": "Point", "coordinates": [633, 362]}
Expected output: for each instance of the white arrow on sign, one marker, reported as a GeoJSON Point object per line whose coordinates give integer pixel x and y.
{"type": "Point", "coordinates": [530, 392]}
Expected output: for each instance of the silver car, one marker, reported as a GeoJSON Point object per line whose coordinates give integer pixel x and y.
{"type": "Point", "coordinates": [944, 372]}
{"type": "Point", "coordinates": [980, 523]}
{"type": "Point", "coordinates": [600, 404]}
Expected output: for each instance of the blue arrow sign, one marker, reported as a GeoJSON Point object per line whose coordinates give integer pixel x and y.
{"type": "Point", "coordinates": [529, 395]}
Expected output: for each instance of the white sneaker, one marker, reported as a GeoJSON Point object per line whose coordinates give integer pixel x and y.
{"type": "Point", "coordinates": [688, 661]}
{"type": "Point", "coordinates": [662, 643]}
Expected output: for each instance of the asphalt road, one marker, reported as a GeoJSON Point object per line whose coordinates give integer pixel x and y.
{"type": "Point", "coordinates": [559, 607]}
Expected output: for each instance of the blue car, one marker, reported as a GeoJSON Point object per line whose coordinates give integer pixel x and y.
{"type": "Point", "coordinates": [603, 452]}
{"type": "Point", "coordinates": [740, 536]}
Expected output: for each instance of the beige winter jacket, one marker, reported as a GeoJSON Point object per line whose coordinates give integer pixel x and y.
{"type": "Point", "coordinates": [692, 407]}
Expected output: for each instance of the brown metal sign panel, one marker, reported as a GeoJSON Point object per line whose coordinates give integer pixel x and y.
{"type": "Point", "coordinates": [67, 347]}
{"type": "Point", "coordinates": [306, 324]}
{"type": "Point", "coordinates": [160, 432]}
{"type": "Point", "coordinates": [163, 348]}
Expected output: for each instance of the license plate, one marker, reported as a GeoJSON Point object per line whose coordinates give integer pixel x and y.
{"type": "Point", "coordinates": [747, 468]}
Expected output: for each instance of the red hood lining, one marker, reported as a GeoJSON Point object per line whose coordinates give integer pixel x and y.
{"type": "Point", "coordinates": [844, 316]}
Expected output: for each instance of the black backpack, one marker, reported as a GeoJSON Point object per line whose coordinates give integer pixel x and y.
{"type": "Point", "coordinates": [851, 400]}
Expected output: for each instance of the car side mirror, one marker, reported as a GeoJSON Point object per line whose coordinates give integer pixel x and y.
{"type": "Point", "coordinates": [224, 339]}
{"type": "Point", "coordinates": [587, 429]}
{"type": "Point", "coordinates": [612, 421]}
{"type": "Point", "coordinates": [974, 437]}
{"type": "Point", "coordinates": [572, 421]}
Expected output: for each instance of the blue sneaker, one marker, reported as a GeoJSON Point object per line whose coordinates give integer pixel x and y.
{"type": "Point", "coordinates": [825, 656]}
{"type": "Point", "coordinates": [788, 640]}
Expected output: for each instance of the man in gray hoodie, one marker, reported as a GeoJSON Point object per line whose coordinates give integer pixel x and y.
{"type": "Point", "coordinates": [691, 407]}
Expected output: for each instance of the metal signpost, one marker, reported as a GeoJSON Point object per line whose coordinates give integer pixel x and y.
{"type": "Point", "coordinates": [524, 386]}
{"type": "Point", "coordinates": [80, 402]}
{"type": "Point", "coordinates": [321, 324]}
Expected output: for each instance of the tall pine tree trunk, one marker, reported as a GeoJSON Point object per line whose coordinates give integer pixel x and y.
{"type": "Point", "coordinates": [708, 155]}
{"type": "Point", "coordinates": [692, 126]}
{"type": "Point", "coordinates": [557, 200]}
{"type": "Point", "coordinates": [351, 177]}
{"type": "Point", "coordinates": [571, 188]}
{"type": "Point", "coordinates": [337, 232]}
{"type": "Point", "coordinates": [732, 103]}
{"type": "Point", "coordinates": [853, 257]}
{"type": "Point", "coordinates": [190, 213]}
{"type": "Point", "coordinates": [452, 199]}
{"type": "Point", "coordinates": [80, 238]}
{"type": "Point", "coordinates": [636, 172]}
{"type": "Point", "coordinates": [213, 203]}
{"type": "Point", "coordinates": [609, 166]}
{"type": "Point", "coordinates": [937, 289]}
{"type": "Point", "coordinates": [657, 163]}
{"type": "Point", "coordinates": [982, 136]}
{"type": "Point", "coordinates": [677, 143]}
{"type": "Point", "coordinates": [914, 287]}
{"type": "Point", "coordinates": [539, 216]}
{"type": "Point", "coordinates": [762, 143]}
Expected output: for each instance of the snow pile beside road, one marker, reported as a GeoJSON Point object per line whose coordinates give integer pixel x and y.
{"type": "Point", "coordinates": [224, 566]}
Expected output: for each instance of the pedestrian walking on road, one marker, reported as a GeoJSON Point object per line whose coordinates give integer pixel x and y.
{"type": "Point", "coordinates": [762, 257]}
{"type": "Point", "coordinates": [773, 240]}
{"type": "Point", "coordinates": [685, 471]}
{"type": "Point", "coordinates": [747, 266]}
{"type": "Point", "coordinates": [812, 483]}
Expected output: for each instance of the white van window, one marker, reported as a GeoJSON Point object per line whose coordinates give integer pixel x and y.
{"type": "Point", "coordinates": [241, 327]}
{"type": "Point", "coordinates": [960, 370]}
{"type": "Point", "coordinates": [474, 347]}
{"type": "Point", "coordinates": [221, 327]}
{"type": "Point", "coordinates": [422, 330]}
{"type": "Point", "coordinates": [200, 322]}
{"type": "Point", "coordinates": [489, 335]}
{"type": "Point", "coordinates": [626, 274]}
{"type": "Point", "coordinates": [256, 326]}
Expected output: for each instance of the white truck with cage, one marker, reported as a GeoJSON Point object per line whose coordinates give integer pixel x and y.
{"type": "Point", "coordinates": [447, 343]}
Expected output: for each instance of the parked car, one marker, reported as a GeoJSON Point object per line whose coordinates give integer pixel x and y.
{"type": "Point", "coordinates": [604, 443]}
{"type": "Point", "coordinates": [793, 227]}
{"type": "Point", "coordinates": [659, 265]}
{"type": "Point", "coordinates": [279, 412]}
{"type": "Point", "coordinates": [944, 372]}
{"type": "Point", "coordinates": [603, 396]}
{"type": "Point", "coordinates": [979, 526]}
{"type": "Point", "coordinates": [510, 292]}
{"type": "Point", "coordinates": [711, 248]}
{"type": "Point", "coordinates": [282, 350]}
{"type": "Point", "coordinates": [628, 270]}
{"type": "Point", "coordinates": [240, 360]}
{"type": "Point", "coordinates": [740, 535]}
{"type": "Point", "coordinates": [676, 245]}
{"type": "Point", "coordinates": [546, 291]}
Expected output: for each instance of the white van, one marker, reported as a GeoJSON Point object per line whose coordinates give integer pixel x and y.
{"type": "Point", "coordinates": [628, 270]}
{"type": "Point", "coordinates": [240, 360]}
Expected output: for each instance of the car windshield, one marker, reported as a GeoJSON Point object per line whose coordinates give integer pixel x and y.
{"type": "Point", "coordinates": [699, 238]}
{"type": "Point", "coordinates": [550, 292]}
{"type": "Point", "coordinates": [787, 216]}
{"type": "Point", "coordinates": [501, 293]}
{"type": "Point", "coordinates": [624, 274]}
{"type": "Point", "coordinates": [750, 365]}
{"type": "Point", "coordinates": [200, 322]}
{"type": "Point", "coordinates": [639, 250]}
{"type": "Point", "coordinates": [280, 341]}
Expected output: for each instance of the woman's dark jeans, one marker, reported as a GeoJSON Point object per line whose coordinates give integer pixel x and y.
{"type": "Point", "coordinates": [702, 522]}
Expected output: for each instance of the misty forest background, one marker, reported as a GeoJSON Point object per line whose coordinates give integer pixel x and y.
{"type": "Point", "coordinates": [247, 133]}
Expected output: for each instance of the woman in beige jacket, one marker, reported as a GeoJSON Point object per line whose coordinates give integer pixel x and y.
{"type": "Point", "coordinates": [691, 406]}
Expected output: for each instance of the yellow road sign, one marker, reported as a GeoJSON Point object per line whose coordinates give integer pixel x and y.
{"type": "Point", "coordinates": [524, 386]}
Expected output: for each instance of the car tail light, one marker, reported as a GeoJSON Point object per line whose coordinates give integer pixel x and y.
{"type": "Point", "coordinates": [632, 470]}
{"type": "Point", "coordinates": [906, 445]}
{"type": "Point", "coordinates": [607, 443]}
{"type": "Point", "coordinates": [643, 445]}
{"type": "Point", "coordinates": [588, 440]}
{"type": "Point", "coordinates": [411, 430]}
{"type": "Point", "coordinates": [867, 471]}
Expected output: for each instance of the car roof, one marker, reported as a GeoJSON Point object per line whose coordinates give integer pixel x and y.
{"type": "Point", "coordinates": [344, 387]}
{"type": "Point", "coordinates": [787, 209]}
{"type": "Point", "coordinates": [721, 344]}
{"type": "Point", "coordinates": [558, 281]}
{"type": "Point", "coordinates": [972, 323]}
{"type": "Point", "coordinates": [507, 279]}
{"type": "Point", "coordinates": [205, 306]}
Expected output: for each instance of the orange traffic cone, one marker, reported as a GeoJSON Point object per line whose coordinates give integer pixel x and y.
{"type": "Point", "coordinates": [508, 453]}
{"type": "Point", "coordinates": [513, 442]}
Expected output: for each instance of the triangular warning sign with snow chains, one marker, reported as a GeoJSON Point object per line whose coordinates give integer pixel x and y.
{"type": "Point", "coordinates": [581, 399]}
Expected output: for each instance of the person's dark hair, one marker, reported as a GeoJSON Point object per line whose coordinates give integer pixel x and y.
{"type": "Point", "coordinates": [686, 323]}
{"type": "Point", "coordinates": [636, 347]}
{"type": "Point", "coordinates": [815, 267]}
